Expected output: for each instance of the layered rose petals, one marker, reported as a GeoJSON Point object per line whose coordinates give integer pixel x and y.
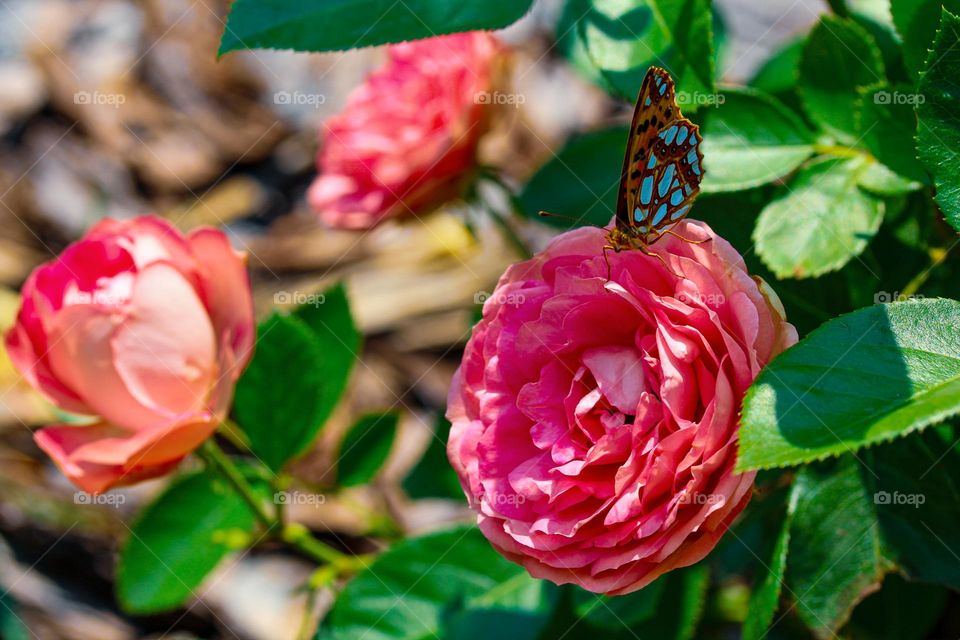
{"type": "Point", "coordinates": [595, 421]}
{"type": "Point", "coordinates": [146, 331]}
{"type": "Point", "coordinates": [407, 136]}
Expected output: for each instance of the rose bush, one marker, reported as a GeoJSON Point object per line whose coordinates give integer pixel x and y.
{"type": "Point", "coordinates": [143, 329]}
{"type": "Point", "coordinates": [595, 422]}
{"type": "Point", "coordinates": [409, 134]}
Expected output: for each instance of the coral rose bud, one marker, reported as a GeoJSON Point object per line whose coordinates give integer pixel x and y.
{"type": "Point", "coordinates": [146, 331]}
{"type": "Point", "coordinates": [408, 136]}
{"type": "Point", "coordinates": [595, 421]}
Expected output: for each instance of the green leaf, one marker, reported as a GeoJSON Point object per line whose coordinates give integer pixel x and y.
{"type": "Point", "coordinates": [177, 540]}
{"type": "Point", "coordinates": [879, 180]}
{"type": "Point", "coordinates": [886, 126]}
{"type": "Point", "coordinates": [751, 139]}
{"type": "Point", "coordinates": [622, 38]}
{"type": "Point", "coordinates": [12, 626]}
{"type": "Point", "coordinates": [836, 555]}
{"type": "Point", "coordinates": [433, 477]}
{"type": "Point", "coordinates": [820, 224]}
{"type": "Point", "coordinates": [766, 595]}
{"type": "Point", "coordinates": [365, 448]}
{"type": "Point", "coordinates": [339, 340]}
{"type": "Point", "coordinates": [917, 21]}
{"type": "Point", "coordinates": [336, 25]}
{"type": "Point", "coordinates": [278, 398]}
{"type": "Point", "coordinates": [939, 131]}
{"type": "Point", "coordinates": [580, 182]}
{"type": "Point", "coordinates": [866, 377]}
{"type": "Point", "coordinates": [839, 57]}
{"type": "Point", "coordinates": [422, 587]}
{"type": "Point", "coordinates": [779, 74]}
{"type": "Point", "coordinates": [900, 609]}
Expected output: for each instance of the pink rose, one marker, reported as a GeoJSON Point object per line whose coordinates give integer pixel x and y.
{"type": "Point", "coordinates": [144, 330]}
{"type": "Point", "coordinates": [408, 135]}
{"type": "Point", "coordinates": [595, 422]}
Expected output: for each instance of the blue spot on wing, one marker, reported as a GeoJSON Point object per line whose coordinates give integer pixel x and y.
{"type": "Point", "coordinates": [652, 162]}
{"type": "Point", "coordinates": [668, 135]}
{"type": "Point", "coordinates": [679, 213]}
{"type": "Point", "coordinates": [676, 198]}
{"type": "Point", "coordinates": [665, 181]}
{"type": "Point", "coordinates": [660, 214]}
{"type": "Point", "coordinates": [682, 135]}
{"type": "Point", "coordinates": [646, 190]}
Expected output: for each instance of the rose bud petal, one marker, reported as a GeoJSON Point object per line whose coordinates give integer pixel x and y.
{"type": "Point", "coordinates": [142, 328]}
{"type": "Point", "coordinates": [595, 421]}
{"type": "Point", "coordinates": [409, 134]}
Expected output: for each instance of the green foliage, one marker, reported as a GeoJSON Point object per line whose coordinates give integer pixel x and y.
{"type": "Point", "coordinates": [365, 448]}
{"type": "Point", "coordinates": [618, 40]}
{"type": "Point", "coordinates": [872, 375]}
{"type": "Point", "coordinates": [440, 585]}
{"type": "Point", "coordinates": [917, 22]}
{"type": "Point", "coordinates": [939, 134]}
{"type": "Point", "coordinates": [581, 182]}
{"type": "Point", "coordinates": [297, 375]}
{"type": "Point", "coordinates": [838, 58]}
{"type": "Point", "coordinates": [325, 25]}
{"type": "Point", "coordinates": [433, 477]}
{"type": "Point", "coordinates": [178, 540]}
{"type": "Point", "coordinates": [751, 140]}
{"type": "Point", "coordinates": [821, 223]}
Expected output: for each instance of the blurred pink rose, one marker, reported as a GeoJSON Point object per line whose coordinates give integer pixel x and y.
{"type": "Point", "coordinates": [595, 422]}
{"type": "Point", "coordinates": [145, 330]}
{"type": "Point", "coordinates": [408, 135]}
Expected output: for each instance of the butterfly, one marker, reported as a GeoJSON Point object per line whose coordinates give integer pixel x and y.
{"type": "Point", "coordinates": [662, 168]}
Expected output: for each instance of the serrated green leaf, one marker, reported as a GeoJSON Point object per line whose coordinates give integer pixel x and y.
{"type": "Point", "coordinates": [939, 129]}
{"type": "Point", "coordinates": [622, 38]}
{"type": "Point", "coordinates": [766, 595]}
{"type": "Point", "coordinates": [836, 555]}
{"type": "Point", "coordinates": [751, 139]}
{"type": "Point", "coordinates": [277, 401]}
{"type": "Point", "coordinates": [365, 448]}
{"type": "Point", "coordinates": [887, 125]}
{"type": "Point", "coordinates": [581, 182]}
{"type": "Point", "coordinates": [866, 377]}
{"type": "Point", "coordinates": [433, 477]}
{"type": "Point", "coordinates": [916, 22]}
{"type": "Point", "coordinates": [839, 57]}
{"type": "Point", "coordinates": [336, 25]}
{"type": "Point", "coordinates": [177, 541]}
{"type": "Point", "coordinates": [419, 586]}
{"type": "Point", "coordinates": [822, 222]}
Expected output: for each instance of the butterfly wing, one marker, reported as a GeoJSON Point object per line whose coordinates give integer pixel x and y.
{"type": "Point", "coordinates": [663, 165]}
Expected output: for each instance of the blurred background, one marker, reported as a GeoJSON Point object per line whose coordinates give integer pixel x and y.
{"type": "Point", "coordinates": [120, 108]}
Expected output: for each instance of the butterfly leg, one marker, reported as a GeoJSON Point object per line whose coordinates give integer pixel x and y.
{"type": "Point", "coordinates": [653, 254]}
{"type": "Point", "coordinates": [606, 260]}
{"type": "Point", "coordinates": [677, 235]}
